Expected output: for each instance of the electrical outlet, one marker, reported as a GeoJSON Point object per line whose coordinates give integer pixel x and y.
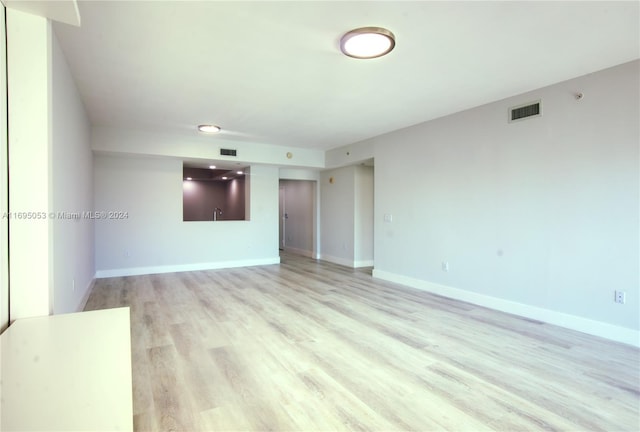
{"type": "Point", "coordinates": [445, 266]}
{"type": "Point", "coordinates": [620, 297]}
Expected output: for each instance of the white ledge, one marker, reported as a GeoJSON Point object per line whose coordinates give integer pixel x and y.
{"type": "Point", "coordinates": [68, 373]}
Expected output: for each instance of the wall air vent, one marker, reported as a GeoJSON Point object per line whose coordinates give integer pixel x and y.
{"type": "Point", "coordinates": [227, 152]}
{"type": "Point", "coordinates": [521, 112]}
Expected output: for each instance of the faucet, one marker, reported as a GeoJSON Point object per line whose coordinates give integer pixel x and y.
{"type": "Point", "coordinates": [217, 211]}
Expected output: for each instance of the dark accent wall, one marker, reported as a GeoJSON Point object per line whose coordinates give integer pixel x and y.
{"type": "Point", "coordinates": [204, 193]}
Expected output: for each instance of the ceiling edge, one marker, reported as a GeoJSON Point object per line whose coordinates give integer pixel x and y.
{"type": "Point", "coordinates": [64, 11]}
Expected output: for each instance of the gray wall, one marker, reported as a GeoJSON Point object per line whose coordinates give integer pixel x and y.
{"type": "Point", "coordinates": [202, 194]}
{"type": "Point", "coordinates": [542, 213]}
{"type": "Point", "coordinates": [199, 198]}
{"type": "Point", "coordinates": [234, 205]}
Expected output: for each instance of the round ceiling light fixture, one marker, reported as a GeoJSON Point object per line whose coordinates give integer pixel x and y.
{"type": "Point", "coordinates": [367, 42]}
{"type": "Point", "coordinates": [208, 128]}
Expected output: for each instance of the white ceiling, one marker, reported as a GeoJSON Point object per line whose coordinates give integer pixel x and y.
{"type": "Point", "coordinates": [271, 72]}
{"type": "Point", "coordinates": [65, 11]}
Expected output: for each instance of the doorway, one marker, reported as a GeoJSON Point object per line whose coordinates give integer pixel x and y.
{"type": "Point", "coordinates": [281, 213]}
{"type": "Point", "coordinates": [298, 217]}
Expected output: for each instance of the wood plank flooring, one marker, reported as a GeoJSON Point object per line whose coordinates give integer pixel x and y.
{"type": "Point", "coordinates": [311, 346]}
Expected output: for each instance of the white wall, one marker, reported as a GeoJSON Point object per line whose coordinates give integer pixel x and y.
{"type": "Point", "coordinates": [350, 154]}
{"type": "Point", "coordinates": [153, 238]}
{"type": "Point", "coordinates": [299, 174]}
{"type": "Point", "coordinates": [197, 147]}
{"type": "Point", "coordinates": [538, 217]}
{"type": "Point", "coordinates": [29, 90]}
{"type": "Point", "coordinates": [72, 190]}
{"type": "Point", "coordinates": [346, 216]}
{"type": "Point", "coordinates": [299, 202]}
{"type": "Point", "coordinates": [4, 181]}
{"type": "Point", "coordinates": [337, 215]}
{"type": "Point", "coordinates": [363, 216]}
{"type": "Point", "coordinates": [50, 160]}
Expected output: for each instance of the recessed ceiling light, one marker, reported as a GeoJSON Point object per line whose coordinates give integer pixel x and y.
{"type": "Point", "coordinates": [189, 178]}
{"type": "Point", "coordinates": [212, 167]}
{"type": "Point", "coordinates": [238, 172]}
{"type": "Point", "coordinates": [224, 178]}
{"type": "Point", "coordinates": [209, 128]}
{"type": "Point", "coordinates": [367, 42]}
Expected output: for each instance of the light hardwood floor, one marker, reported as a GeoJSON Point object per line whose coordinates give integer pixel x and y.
{"type": "Point", "coordinates": [313, 346]}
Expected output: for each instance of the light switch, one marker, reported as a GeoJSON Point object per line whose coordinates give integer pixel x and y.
{"type": "Point", "coordinates": [388, 217]}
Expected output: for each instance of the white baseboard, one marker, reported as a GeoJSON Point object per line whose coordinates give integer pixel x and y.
{"type": "Point", "coordinates": [346, 262]}
{"type": "Point", "coordinates": [573, 322]}
{"type": "Point", "coordinates": [134, 271]}
{"type": "Point", "coordinates": [85, 297]}
{"type": "Point", "coordinates": [297, 251]}
{"type": "Point", "coordinates": [336, 260]}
